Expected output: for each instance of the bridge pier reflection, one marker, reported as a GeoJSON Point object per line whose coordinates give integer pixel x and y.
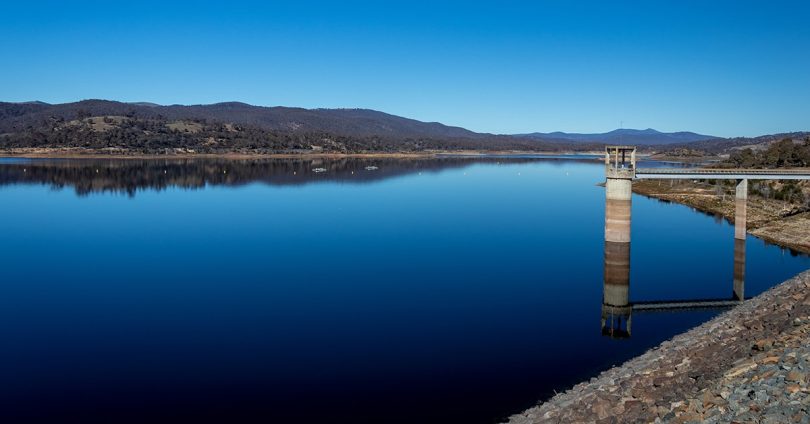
{"type": "Point", "coordinates": [739, 269]}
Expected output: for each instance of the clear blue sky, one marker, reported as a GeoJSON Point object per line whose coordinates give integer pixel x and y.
{"type": "Point", "coordinates": [719, 67]}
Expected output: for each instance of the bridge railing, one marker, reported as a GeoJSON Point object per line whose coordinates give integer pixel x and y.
{"type": "Point", "coordinates": [722, 173]}
{"type": "Point", "coordinates": [729, 171]}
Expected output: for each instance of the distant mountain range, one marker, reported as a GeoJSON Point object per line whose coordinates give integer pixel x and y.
{"type": "Point", "coordinates": [646, 137]}
{"type": "Point", "coordinates": [239, 127]}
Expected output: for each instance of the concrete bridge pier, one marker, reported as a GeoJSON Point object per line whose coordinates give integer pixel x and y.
{"type": "Point", "coordinates": [741, 209]}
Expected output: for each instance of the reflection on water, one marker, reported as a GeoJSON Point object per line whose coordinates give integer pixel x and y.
{"type": "Point", "coordinates": [131, 175]}
{"type": "Point", "coordinates": [617, 309]}
{"type": "Point", "coordinates": [262, 291]}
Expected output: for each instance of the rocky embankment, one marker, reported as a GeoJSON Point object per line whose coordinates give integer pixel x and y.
{"type": "Point", "coordinates": [772, 220]}
{"type": "Point", "coordinates": [750, 364]}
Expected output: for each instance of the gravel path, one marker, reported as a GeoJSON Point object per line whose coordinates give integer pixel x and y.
{"type": "Point", "coordinates": [750, 364]}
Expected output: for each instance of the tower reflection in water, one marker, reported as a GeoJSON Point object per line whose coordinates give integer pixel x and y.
{"type": "Point", "coordinates": [617, 310]}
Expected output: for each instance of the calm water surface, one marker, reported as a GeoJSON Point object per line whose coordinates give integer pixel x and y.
{"type": "Point", "coordinates": [443, 290]}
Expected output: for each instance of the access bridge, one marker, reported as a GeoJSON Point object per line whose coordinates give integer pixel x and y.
{"type": "Point", "coordinates": [720, 174]}
{"type": "Point", "coordinates": [620, 172]}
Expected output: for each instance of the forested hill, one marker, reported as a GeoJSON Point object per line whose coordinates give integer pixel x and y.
{"type": "Point", "coordinates": [730, 145]}
{"type": "Point", "coordinates": [355, 122]}
{"type": "Point", "coordinates": [229, 127]}
{"type": "Point", "coordinates": [786, 153]}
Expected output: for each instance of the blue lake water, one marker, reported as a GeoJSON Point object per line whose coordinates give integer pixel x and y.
{"type": "Point", "coordinates": [432, 290]}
